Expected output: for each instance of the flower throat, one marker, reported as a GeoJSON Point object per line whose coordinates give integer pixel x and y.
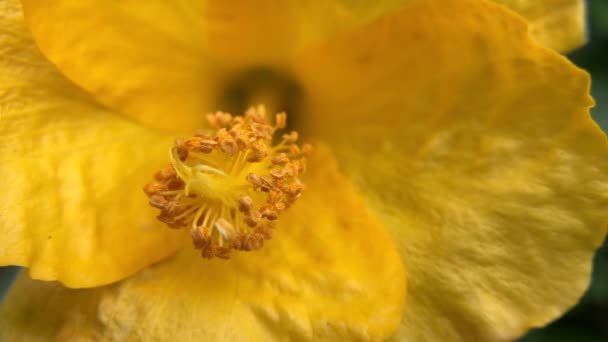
{"type": "Point", "coordinates": [229, 187]}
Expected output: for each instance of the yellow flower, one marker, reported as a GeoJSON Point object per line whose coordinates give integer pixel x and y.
{"type": "Point", "coordinates": [449, 147]}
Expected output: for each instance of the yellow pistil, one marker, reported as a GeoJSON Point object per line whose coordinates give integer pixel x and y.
{"type": "Point", "coordinates": [230, 187]}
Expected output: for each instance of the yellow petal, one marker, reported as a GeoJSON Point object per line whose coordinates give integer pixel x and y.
{"type": "Point", "coordinates": [160, 58]}
{"type": "Point", "coordinates": [476, 148]}
{"type": "Point", "coordinates": [72, 208]}
{"type": "Point", "coordinates": [147, 59]}
{"type": "Point", "coordinates": [556, 24]}
{"type": "Point", "coordinates": [329, 273]}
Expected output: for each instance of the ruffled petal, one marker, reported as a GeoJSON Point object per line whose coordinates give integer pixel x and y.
{"type": "Point", "coordinates": [72, 208]}
{"type": "Point", "coordinates": [556, 24]}
{"type": "Point", "coordinates": [160, 59]}
{"type": "Point", "coordinates": [329, 273]}
{"type": "Point", "coordinates": [475, 147]}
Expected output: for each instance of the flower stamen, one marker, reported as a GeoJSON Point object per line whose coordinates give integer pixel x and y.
{"type": "Point", "coordinates": [230, 187]}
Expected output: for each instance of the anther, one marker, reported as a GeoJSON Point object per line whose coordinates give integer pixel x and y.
{"type": "Point", "coordinates": [293, 190]}
{"type": "Point", "coordinates": [280, 159]}
{"type": "Point", "coordinates": [154, 187]}
{"type": "Point", "coordinates": [252, 218]}
{"type": "Point", "coordinates": [182, 150]}
{"type": "Point", "coordinates": [278, 173]}
{"type": "Point", "coordinates": [281, 120]}
{"type": "Point", "coordinates": [258, 152]}
{"type": "Point", "coordinates": [270, 214]}
{"type": "Point", "coordinates": [164, 173]}
{"type": "Point", "coordinates": [280, 206]}
{"type": "Point", "coordinates": [245, 204]}
{"type": "Point", "coordinates": [267, 183]}
{"type": "Point", "coordinates": [291, 137]}
{"type": "Point", "coordinates": [294, 151]}
{"type": "Point", "coordinates": [158, 201]}
{"type": "Point", "coordinates": [242, 142]}
{"type": "Point", "coordinates": [219, 119]}
{"type": "Point", "coordinates": [265, 230]}
{"type": "Point", "coordinates": [207, 145]}
{"type": "Point", "coordinates": [228, 146]}
{"type": "Point", "coordinates": [254, 180]}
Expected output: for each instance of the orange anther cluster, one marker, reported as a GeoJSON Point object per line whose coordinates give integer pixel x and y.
{"type": "Point", "coordinates": [231, 186]}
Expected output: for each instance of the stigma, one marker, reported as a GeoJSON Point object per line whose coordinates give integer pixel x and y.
{"type": "Point", "coordinates": [229, 185]}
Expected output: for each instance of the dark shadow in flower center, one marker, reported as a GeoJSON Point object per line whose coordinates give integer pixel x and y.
{"type": "Point", "coordinates": [277, 90]}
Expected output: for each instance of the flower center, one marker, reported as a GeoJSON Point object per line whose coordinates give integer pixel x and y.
{"type": "Point", "coordinates": [278, 90]}
{"type": "Point", "coordinates": [230, 186]}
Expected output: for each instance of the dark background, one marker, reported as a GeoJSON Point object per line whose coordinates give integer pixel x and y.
{"type": "Point", "coordinates": [588, 321]}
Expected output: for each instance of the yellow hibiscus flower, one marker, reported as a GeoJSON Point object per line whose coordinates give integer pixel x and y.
{"type": "Point", "coordinates": [449, 147]}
